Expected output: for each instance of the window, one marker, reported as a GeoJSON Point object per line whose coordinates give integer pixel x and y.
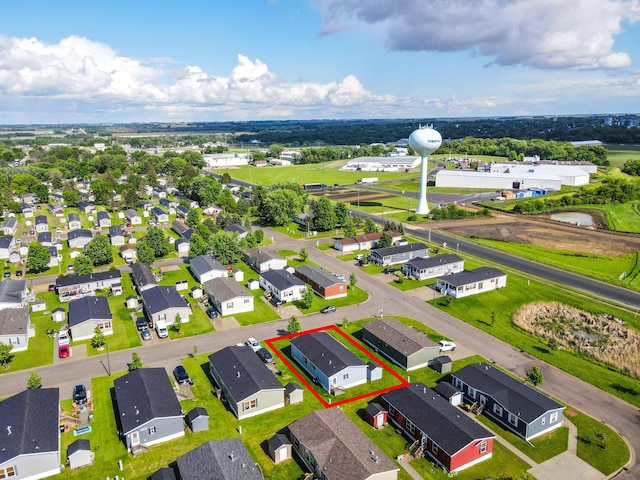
{"type": "Point", "coordinates": [152, 430]}
{"type": "Point", "coordinates": [345, 376]}
{"type": "Point", "coordinates": [472, 392]}
{"type": "Point", "coordinates": [247, 300]}
{"type": "Point", "coordinates": [411, 428]}
{"type": "Point", "coordinates": [229, 304]}
{"type": "Point", "coordinates": [554, 417]}
{"type": "Point", "coordinates": [434, 447]}
{"type": "Point", "coordinates": [7, 472]}
{"type": "Point", "coordinates": [497, 409]}
{"type": "Point", "coordinates": [483, 446]}
{"type": "Point", "coordinates": [513, 420]}
{"type": "Point", "coordinates": [248, 405]}
{"type": "Point", "coordinates": [480, 284]}
{"type": "Point", "coordinates": [392, 411]}
{"type": "Point", "coordinates": [543, 420]}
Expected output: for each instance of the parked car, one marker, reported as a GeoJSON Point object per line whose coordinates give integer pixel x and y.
{"type": "Point", "coordinates": [275, 302]}
{"type": "Point", "coordinates": [182, 377]}
{"type": "Point", "coordinates": [390, 270]}
{"type": "Point", "coordinates": [64, 351]}
{"type": "Point", "coordinates": [145, 333]}
{"type": "Point", "coordinates": [254, 344]}
{"type": "Point", "coordinates": [79, 394]}
{"type": "Point", "coordinates": [18, 273]}
{"type": "Point", "coordinates": [70, 267]}
{"type": "Point", "coordinates": [52, 288]}
{"type": "Point", "coordinates": [141, 323]}
{"type": "Point", "coordinates": [446, 346]}
{"type": "Point", "coordinates": [328, 309]}
{"type": "Point", "coordinates": [58, 230]}
{"type": "Point", "coordinates": [6, 274]}
{"type": "Point", "coordinates": [63, 338]}
{"type": "Point", "coordinates": [265, 355]}
{"type": "Point", "coordinates": [212, 312]}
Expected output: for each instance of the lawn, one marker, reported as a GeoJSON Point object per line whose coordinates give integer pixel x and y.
{"type": "Point", "coordinates": [618, 155]}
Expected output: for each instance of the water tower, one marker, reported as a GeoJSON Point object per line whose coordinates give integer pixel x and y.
{"type": "Point", "coordinates": [425, 141]}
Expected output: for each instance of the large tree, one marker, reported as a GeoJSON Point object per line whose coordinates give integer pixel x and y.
{"type": "Point", "coordinates": [324, 216]}
{"type": "Point", "coordinates": [385, 240]}
{"type": "Point", "coordinates": [82, 265]}
{"type": "Point", "coordinates": [193, 218]}
{"type": "Point", "coordinates": [370, 226]}
{"type": "Point", "coordinates": [341, 213]}
{"type": "Point", "coordinates": [144, 253]}
{"type": "Point", "coordinates": [226, 247]}
{"type": "Point", "coordinates": [38, 257]}
{"type": "Point", "coordinates": [280, 205]}
{"type": "Point", "coordinates": [99, 250]}
{"type": "Point", "coordinates": [197, 246]}
{"type": "Point", "coordinates": [5, 354]}
{"type": "Point", "coordinates": [157, 241]}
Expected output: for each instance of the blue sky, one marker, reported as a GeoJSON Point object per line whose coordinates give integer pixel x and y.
{"type": "Point", "coordinates": [123, 61]}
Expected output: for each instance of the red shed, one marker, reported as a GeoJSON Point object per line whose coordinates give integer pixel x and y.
{"type": "Point", "coordinates": [375, 415]}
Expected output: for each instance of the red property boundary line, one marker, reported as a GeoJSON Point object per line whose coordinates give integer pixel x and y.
{"type": "Point", "coordinates": [271, 341]}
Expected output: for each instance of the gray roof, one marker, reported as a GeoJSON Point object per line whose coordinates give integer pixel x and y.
{"type": "Point", "coordinates": [225, 288]}
{"type": "Point", "coordinates": [165, 473]}
{"type": "Point", "coordinates": [446, 390]}
{"type": "Point", "coordinates": [451, 429]}
{"type": "Point", "coordinates": [182, 229]}
{"type": "Point", "coordinates": [226, 459]}
{"type": "Point", "coordinates": [281, 279]}
{"type": "Point", "coordinates": [158, 299]}
{"type": "Point", "coordinates": [132, 213]}
{"type": "Point", "coordinates": [261, 254]}
{"type": "Point", "coordinates": [513, 395]}
{"type": "Point", "coordinates": [10, 222]}
{"type": "Point", "coordinates": [115, 231]}
{"type": "Point", "coordinates": [142, 274]}
{"type": "Point", "coordinates": [42, 220]}
{"type": "Point", "coordinates": [74, 217]}
{"type": "Point", "coordinates": [44, 237]}
{"type": "Point", "coordinates": [471, 276]}
{"type": "Point", "coordinates": [236, 228]}
{"type": "Point", "coordinates": [145, 394]}
{"type": "Point", "coordinates": [402, 338]}
{"type": "Point", "coordinates": [78, 445]}
{"type": "Point", "coordinates": [157, 211]}
{"type": "Point", "coordinates": [278, 440]}
{"type": "Point", "coordinates": [291, 387]}
{"type": "Point", "coordinates": [341, 450]}
{"type": "Point", "coordinates": [368, 237]}
{"type": "Point", "coordinates": [411, 247]}
{"type": "Point", "coordinates": [29, 423]}
{"type": "Point", "coordinates": [205, 263]}
{"type": "Point", "coordinates": [429, 262]}
{"type": "Point", "coordinates": [325, 352]}
{"type": "Point", "coordinates": [11, 291]}
{"type": "Point", "coordinates": [53, 252]}
{"type": "Point", "coordinates": [196, 413]}
{"type": "Point", "coordinates": [81, 232]}
{"type": "Point", "coordinates": [14, 321]}
{"type": "Point", "coordinates": [102, 215]}
{"type": "Point", "coordinates": [242, 372]}
{"type": "Point", "coordinates": [88, 308]}
{"type": "Point", "coordinates": [317, 275]}
{"type": "Point", "coordinates": [374, 408]}
{"type": "Point", "coordinates": [68, 280]}
{"type": "Point", "coordinates": [6, 241]}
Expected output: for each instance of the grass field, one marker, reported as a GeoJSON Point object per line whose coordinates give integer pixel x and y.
{"type": "Point", "coordinates": [619, 154]}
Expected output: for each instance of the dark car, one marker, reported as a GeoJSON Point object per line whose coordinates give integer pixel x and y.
{"type": "Point", "coordinates": [328, 309]}
{"type": "Point", "coordinates": [6, 274]}
{"type": "Point", "coordinates": [182, 377]}
{"type": "Point", "coordinates": [275, 302]}
{"type": "Point", "coordinates": [18, 273]}
{"type": "Point", "coordinates": [265, 355]}
{"type": "Point", "coordinates": [212, 312]}
{"type": "Point", "coordinates": [79, 394]}
{"type": "Point", "coordinates": [141, 323]}
{"type": "Point", "coordinates": [52, 288]}
{"type": "Point", "coordinates": [390, 270]}
{"type": "Point", "coordinates": [145, 333]}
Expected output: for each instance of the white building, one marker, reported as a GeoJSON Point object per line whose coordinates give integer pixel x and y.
{"type": "Point", "coordinates": [218, 160]}
{"type": "Point", "coordinates": [382, 164]}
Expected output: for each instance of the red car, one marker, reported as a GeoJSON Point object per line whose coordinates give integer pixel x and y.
{"type": "Point", "coordinates": [64, 351]}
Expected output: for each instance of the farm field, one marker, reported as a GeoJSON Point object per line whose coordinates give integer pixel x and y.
{"type": "Point", "coordinates": [619, 154]}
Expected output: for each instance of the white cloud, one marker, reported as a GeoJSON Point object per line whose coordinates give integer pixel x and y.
{"type": "Point", "coordinates": [549, 34]}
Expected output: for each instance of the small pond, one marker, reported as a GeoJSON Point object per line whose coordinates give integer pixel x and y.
{"type": "Point", "coordinates": [576, 218]}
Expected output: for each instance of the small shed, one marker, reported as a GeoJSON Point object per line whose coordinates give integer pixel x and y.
{"type": "Point", "coordinates": [450, 393]}
{"type": "Point", "coordinates": [14, 257]}
{"type": "Point", "coordinates": [279, 448]}
{"type": "Point", "coordinates": [238, 275]}
{"type": "Point", "coordinates": [132, 301]}
{"type": "Point", "coordinates": [58, 315]}
{"type": "Point", "coordinates": [79, 454]}
{"type": "Point", "coordinates": [374, 371]}
{"type": "Point", "coordinates": [293, 393]}
{"type": "Point", "coordinates": [116, 289]}
{"type": "Point", "coordinates": [253, 284]}
{"type": "Point", "coordinates": [38, 306]}
{"type": "Point", "coordinates": [196, 292]}
{"type": "Point", "coordinates": [375, 415]}
{"type": "Point", "coordinates": [198, 419]}
{"type": "Point", "coordinates": [442, 364]}
{"type": "Point", "coordinates": [182, 285]}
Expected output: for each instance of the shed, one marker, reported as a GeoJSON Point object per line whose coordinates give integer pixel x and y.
{"type": "Point", "coordinates": [132, 301]}
{"type": "Point", "coordinates": [253, 284]}
{"type": "Point", "coordinates": [58, 315]}
{"type": "Point", "coordinates": [196, 292]}
{"type": "Point", "coordinates": [38, 306]}
{"type": "Point", "coordinates": [238, 275]}
{"type": "Point", "coordinates": [293, 393]}
{"type": "Point", "coordinates": [279, 448]}
{"type": "Point", "coordinates": [14, 257]}
{"type": "Point", "coordinates": [374, 371]}
{"type": "Point", "coordinates": [375, 415]}
{"type": "Point", "coordinates": [449, 393]}
{"type": "Point", "coordinates": [198, 419]}
{"type": "Point", "coordinates": [182, 285]}
{"type": "Point", "coordinates": [442, 364]}
{"type": "Point", "coordinates": [79, 454]}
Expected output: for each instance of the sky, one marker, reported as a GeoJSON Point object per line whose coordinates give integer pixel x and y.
{"type": "Point", "coordinates": [122, 61]}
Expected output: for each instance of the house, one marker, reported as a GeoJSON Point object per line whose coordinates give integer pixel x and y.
{"type": "Point", "coordinates": [85, 207]}
{"type": "Point", "coordinates": [239, 230]}
{"type": "Point", "coordinates": [27, 210]}
{"type": "Point", "coordinates": [332, 447]}
{"type": "Point", "coordinates": [30, 198]}
{"type": "Point", "coordinates": [54, 256]}
{"type": "Point", "coordinates": [279, 448]}
{"type": "Point", "coordinates": [74, 222]}
{"type": "Point", "coordinates": [10, 226]}
{"type": "Point", "coordinates": [323, 283]}
{"type": "Point", "coordinates": [79, 454]}
{"type": "Point", "coordinates": [104, 220]}
{"type": "Point", "coordinates": [14, 328]}
{"type": "Point", "coordinates": [128, 253]}
{"type": "Point", "coordinates": [7, 243]}
{"type": "Point", "coordinates": [116, 237]}
{"type": "Point", "coordinates": [422, 268]}
{"type": "Point", "coordinates": [228, 296]}
{"type": "Point", "coordinates": [405, 346]}
{"type": "Point", "coordinates": [197, 419]}
{"type": "Point", "coordinates": [329, 362]}
{"type": "Point", "coordinates": [30, 434]}
{"type": "Point", "coordinates": [247, 385]}
{"type": "Point", "coordinates": [13, 294]}
{"type": "Point", "coordinates": [79, 238]}
{"type": "Point", "coordinates": [226, 459]}
{"type": "Point", "coordinates": [282, 285]}
{"type": "Point", "coordinates": [87, 313]}
{"type": "Point", "coordinates": [207, 267]}
{"type": "Point", "coordinates": [507, 401]}
{"type": "Point", "coordinates": [182, 246]}
{"type": "Point", "coordinates": [444, 434]}
{"type": "Point", "coordinates": [166, 304]}
{"type": "Point", "coordinates": [142, 276]}
{"type": "Point", "coordinates": [471, 282]}
{"type": "Point", "coordinates": [182, 229]}
{"type": "Point", "coordinates": [134, 217]}
{"type": "Point", "coordinates": [71, 287]}
{"type": "Point", "coordinates": [364, 241]}
{"type": "Point", "coordinates": [45, 239]}
{"type": "Point", "coordinates": [181, 211]}
{"type": "Point", "coordinates": [159, 215]}
{"type": "Point", "coordinates": [147, 206]}
{"type": "Point", "coordinates": [42, 223]}
{"type": "Point", "coordinates": [165, 202]}
{"type": "Point", "coordinates": [147, 409]}
{"type": "Point", "coordinates": [261, 259]}
{"type": "Point", "coordinates": [56, 209]}
{"type": "Point", "coordinates": [398, 254]}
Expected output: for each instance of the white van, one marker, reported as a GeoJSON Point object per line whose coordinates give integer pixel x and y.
{"type": "Point", "coordinates": [161, 329]}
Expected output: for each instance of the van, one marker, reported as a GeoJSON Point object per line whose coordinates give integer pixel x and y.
{"type": "Point", "coordinates": [161, 329]}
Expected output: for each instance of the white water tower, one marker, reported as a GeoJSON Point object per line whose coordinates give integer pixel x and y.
{"type": "Point", "coordinates": [425, 141]}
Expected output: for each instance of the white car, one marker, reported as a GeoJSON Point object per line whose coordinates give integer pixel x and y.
{"type": "Point", "coordinates": [254, 344]}
{"type": "Point", "coordinates": [447, 346]}
{"type": "Point", "coordinates": [63, 338]}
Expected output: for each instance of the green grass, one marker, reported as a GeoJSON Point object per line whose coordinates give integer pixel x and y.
{"type": "Point", "coordinates": [619, 154]}
{"type": "Point", "coordinates": [355, 295]}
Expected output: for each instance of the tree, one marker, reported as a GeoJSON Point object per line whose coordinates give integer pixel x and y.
{"type": "Point", "coordinates": [348, 228]}
{"type": "Point", "coordinates": [145, 253]}
{"type": "Point", "coordinates": [280, 205]}
{"type": "Point", "coordinates": [294, 325]}
{"type": "Point", "coordinates": [385, 240]}
{"type": "Point", "coordinates": [600, 435]}
{"type": "Point", "coordinates": [136, 362]}
{"type": "Point", "coordinates": [307, 297]}
{"type": "Point", "coordinates": [225, 179]}
{"type": "Point", "coordinates": [177, 324]}
{"type": "Point", "coordinates": [370, 226]}
{"type": "Point", "coordinates": [38, 257]}
{"type": "Point", "coordinates": [259, 234]}
{"type": "Point", "coordinates": [157, 241]}
{"type": "Point", "coordinates": [197, 246]}
{"type": "Point", "coordinates": [324, 216]}
{"type": "Point", "coordinates": [226, 247]}
{"type": "Point", "coordinates": [5, 354]}
{"type": "Point", "coordinates": [303, 255]}
{"type": "Point", "coordinates": [345, 322]}
{"type": "Point", "coordinates": [98, 341]}
{"type": "Point", "coordinates": [552, 344]}
{"type": "Point", "coordinates": [34, 381]}
{"type": "Point", "coordinates": [353, 280]}
{"type": "Point", "coordinates": [82, 265]}
{"type": "Point", "coordinates": [535, 376]}
{"type": "Point", "coordinates": [99, 250]}
{"type": "Point", "coordinates": [342, 214]}
{"type": "Point", "coordinates": [193, 218]}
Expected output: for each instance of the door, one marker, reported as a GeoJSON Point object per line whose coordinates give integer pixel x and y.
{"type": "Point", "coordinates": [483, 400]}
{"type": "Point", "coordinates": [379, 421]}
{"type": "Point", "coordinates": [135, 439]}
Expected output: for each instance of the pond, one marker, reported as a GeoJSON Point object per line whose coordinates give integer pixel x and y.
{"type": "Point", "coordinates": [576, 218]}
